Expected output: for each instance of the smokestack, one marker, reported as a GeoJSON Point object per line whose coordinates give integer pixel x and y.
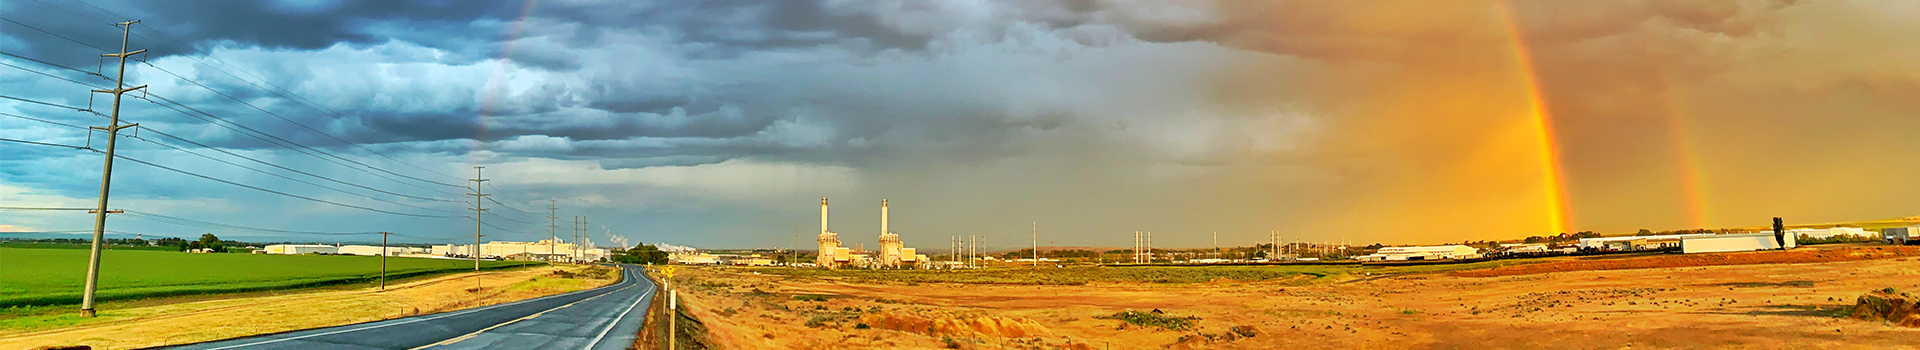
{"type": "Point", "coordinates": [883, 216]}
{"type": "Point", "coordinates": [823, 215]}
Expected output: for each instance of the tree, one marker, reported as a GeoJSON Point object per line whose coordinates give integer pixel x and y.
{"type": "Point", "coordinates": [641, 254]}
{"type": "Point", "coordinates": [1644, 232]}
{"type": "Point", "coordinates": [210, 242]}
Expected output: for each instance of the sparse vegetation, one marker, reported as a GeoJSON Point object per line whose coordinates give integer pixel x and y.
{"type": "Point", "coordinates": [1155, 318]}
{"type": "Point", "coordinates": [810, 297]}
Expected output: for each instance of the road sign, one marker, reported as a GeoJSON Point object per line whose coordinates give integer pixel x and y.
{"type": "Point", "coordinates": [667, 271]}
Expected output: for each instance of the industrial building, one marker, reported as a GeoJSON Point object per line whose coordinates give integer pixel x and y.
{"type": "Point", "coordinates": [1900, 235]}
{"type": "Point", "coordinates": [1445, 252]}
{"type": "Point", "coordinates": [1733, 242]}
{"type": "Point", "coordinates": [548, 249]}
{"type": "Point", "coordinates": [375, 250]}
{"type": "Point", "coordinates": [1623, 243]}
{"type": "Point", "coordinates": [832, 255]}
{"type": "Point", "coordinates": [1821, 233]}
{"type": "Point", "coordinates": [892, 254]}
{"type": "Point", "coordinates": [301, 249]}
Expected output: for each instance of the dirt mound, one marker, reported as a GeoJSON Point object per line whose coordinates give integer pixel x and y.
{"type": "Point", "coordinates": [1692, 260]}
{"type": "Point", "coordinates": [1900, 309]}
{"type": "Point", "coordinates": [963, 326]}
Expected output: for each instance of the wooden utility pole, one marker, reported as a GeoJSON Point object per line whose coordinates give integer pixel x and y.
{"type": "Point", "coordinates": [573, 254]}
{"type": "Point", "coordinates": [1036, 244]}
{"type": "Point", "coordinates": [106, 173]}
{"type": "Point", "coordinates": [553, 246]}
{"type": "Point", "coordinates": [479, 209]}
{"type": "Point", "coordinates": [383, 260]}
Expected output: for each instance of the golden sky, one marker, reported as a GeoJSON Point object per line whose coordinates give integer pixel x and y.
{"type": "Point", "coordinates": [1451, 120]}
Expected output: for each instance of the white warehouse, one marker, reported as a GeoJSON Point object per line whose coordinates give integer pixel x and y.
{"type": "Point", "coordinates": [302, 249]}
{"type": "Point", "coordinates": [1829, 232]}
{"type": "Point", "coordinates": [375, 250]}
{"type": "Point", "coordinates": [1738, 242]}
{"type": "Point", "coordinates": [1444, 252]}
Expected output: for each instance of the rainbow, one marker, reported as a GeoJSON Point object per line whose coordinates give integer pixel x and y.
{"type": "Point", "coordinates": [1689, 169]}
{"type": "Point", "coordinates": [498, 80]}
{"type": "Point", "coordinates": [1541, 122]}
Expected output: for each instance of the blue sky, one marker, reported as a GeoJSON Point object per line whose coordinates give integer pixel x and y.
{"type": "Point", "coordinates": [720, 123]}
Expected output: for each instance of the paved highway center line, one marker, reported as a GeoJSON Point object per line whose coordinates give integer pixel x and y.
{"type": "Point", "coordinates": [616, 320]}
{"type": "Point", "coordinates": [462, 312]}
{"type": "Point", "coordinates": [484, 330]}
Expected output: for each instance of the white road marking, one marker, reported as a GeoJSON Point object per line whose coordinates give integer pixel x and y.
{"type": "Point", "coordinates": [484, 330]}
{"type": "Point", "coordinates": [457, 313]}
{"type": "Point", "coordinates": [616, 320]}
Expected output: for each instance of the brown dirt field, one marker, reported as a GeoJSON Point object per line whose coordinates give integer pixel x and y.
{"type": "Point", "coordinates": [1803, 255]}
{"type": "Point", "coordinates": [200, 321]}
{"type": "Point", "coordinates": [1796, 306]}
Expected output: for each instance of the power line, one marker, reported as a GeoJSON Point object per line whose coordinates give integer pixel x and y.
{"type": "Point", "coordinates": [51, 64]}
{"type": "Point", "coordinates": [288, 178]}
{"type": "Point", "coordinates": [50, 75]}
{"type": "Point", "coordinates": [290, 120]}
{"type": "Point", "coordinates": [42, 143]}
{"type": "Point", "coordinates": [37, 29]}
{"type": "Point", "coordinates": [265, 137]}
{"type": "Point", "coordinates": [490, 199]}
{"type": "Point", "coordinates": [207, 224]}
{"type": "Point", "coordinates": [48, 104]}
{"type": "Point", "coordinates": [42, 208]}
{"type": "Point", "coordinates": [80, 14]}
{"type": "Point", "coordinates": [507, 219]}
{"type": "Point", "coordinates": [181, 139]}
{"type": "Point", "coordinates": [280, 193]}
{"type": "Point", "coordinates": [42, 120]}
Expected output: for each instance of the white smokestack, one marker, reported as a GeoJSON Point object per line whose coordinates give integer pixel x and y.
{"type": "Point", "coordinates": [883, 216]}
{"type": "Point", "coordinates": [823, 215]}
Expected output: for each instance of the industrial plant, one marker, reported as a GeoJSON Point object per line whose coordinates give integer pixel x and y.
{"type": "Point", "coordinates": [892, 255]}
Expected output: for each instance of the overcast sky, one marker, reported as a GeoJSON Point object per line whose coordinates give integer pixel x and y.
{"type": "Point", "coordinates": [721, 123]}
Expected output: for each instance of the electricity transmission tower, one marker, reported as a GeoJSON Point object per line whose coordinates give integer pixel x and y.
{"type": "Point", "coordinates": [553, 230]}
{"type": "Point", "coordinates": [106, 173]}
{"type": "Point", "coordinates": [479, 208]}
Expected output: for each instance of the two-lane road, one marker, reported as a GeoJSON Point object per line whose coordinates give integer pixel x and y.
{"type": "Point", "coordinates": [602, 318]}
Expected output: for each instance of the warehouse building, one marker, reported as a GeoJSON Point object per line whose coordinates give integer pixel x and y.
{"type": "Point", "coordinates": [498, 249]}
{"type": "Point", "coordinates": [1822, 233]}
{"type": "Point", "coordinates": [375, 250]}
{"type": "Point", "coordinates": [1900, 235]}
{"type": "Point", "coordinates": [1625, 243]}
{"type": "Point", "coordinates": [1735, 242]}
{"type": "Point", "coordinates": [1445, 252]}
{"type": "Point", "coordinates": [296, 249]}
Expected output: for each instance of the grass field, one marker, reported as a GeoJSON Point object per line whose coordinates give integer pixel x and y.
{"type": "Point", "coordinates": [56, 276]}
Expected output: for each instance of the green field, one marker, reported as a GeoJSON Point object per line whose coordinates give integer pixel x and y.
{"type": "Point", "coordinates": [55, 276]}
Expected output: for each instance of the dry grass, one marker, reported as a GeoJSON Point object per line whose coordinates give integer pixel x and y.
{"type": "Point", "coordinates": [208, 320]}
{"type": "Point", "coordinates": [1745, 306]}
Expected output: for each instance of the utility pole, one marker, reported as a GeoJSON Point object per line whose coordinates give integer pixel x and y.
{"type": "Point", "coordinates": [106, 173]}
{"type": "Point", "coordinates": [1036, 244]}
{"type": "Point", "coordinates": [573, 254]}
{"type": "Point", "coordinates": [973, 250]}
{"type": "Point", "coordinates": [383, 260]}
{"type": "Point", "coordinates": [580, 237]}
{"type": "Point", "coordinates": [553, 230]}
{"type": "Point", "coordinates": [479, 209]}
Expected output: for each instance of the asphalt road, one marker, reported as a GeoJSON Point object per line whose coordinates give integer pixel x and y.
{"type": "Point", "coordinates": [602, 318]}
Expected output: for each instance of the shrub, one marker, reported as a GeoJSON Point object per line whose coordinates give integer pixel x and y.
{"type": "Point", "coordinates": [1156, 318]}
{"type": "Point", "coordinates": [818, 320]}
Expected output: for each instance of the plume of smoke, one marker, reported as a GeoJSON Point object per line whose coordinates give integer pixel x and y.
{"type": "Point", "coordinates": [619, 241]}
